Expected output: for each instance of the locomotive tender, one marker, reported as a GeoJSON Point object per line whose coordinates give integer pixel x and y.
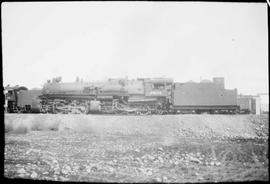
{"type": "Point", "coordinates": [123, 96]}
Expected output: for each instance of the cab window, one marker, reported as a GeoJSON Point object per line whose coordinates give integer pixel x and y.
{"type": "Point", "coordinates": [159, 86]}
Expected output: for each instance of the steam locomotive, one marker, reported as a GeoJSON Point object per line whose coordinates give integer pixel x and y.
{"type": "Point", "coordinates": [123, 96]}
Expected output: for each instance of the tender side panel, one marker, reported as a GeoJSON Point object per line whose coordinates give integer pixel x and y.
{"type": "Point", "coordinates": [203, 94]}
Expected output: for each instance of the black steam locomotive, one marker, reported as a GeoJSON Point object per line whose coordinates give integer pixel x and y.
{"type": "Point", "coordinates": [123, 96]}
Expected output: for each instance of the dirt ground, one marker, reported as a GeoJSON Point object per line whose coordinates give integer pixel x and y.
{"type": "Point", "coordinates": [104, 150]}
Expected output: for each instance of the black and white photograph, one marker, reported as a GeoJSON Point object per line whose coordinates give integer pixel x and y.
{"type": "Point", "coordinates": [135, 91]}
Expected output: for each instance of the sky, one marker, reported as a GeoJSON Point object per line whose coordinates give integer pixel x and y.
{"type": "Point", "coordinates": [99, 40]}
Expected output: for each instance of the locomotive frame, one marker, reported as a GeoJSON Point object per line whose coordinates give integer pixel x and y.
{"type": "Point", "coordinates": [122, 96]}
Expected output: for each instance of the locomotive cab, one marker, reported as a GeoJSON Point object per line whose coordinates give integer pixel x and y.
{"type": "Point", "coordinates": [160, 89]}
